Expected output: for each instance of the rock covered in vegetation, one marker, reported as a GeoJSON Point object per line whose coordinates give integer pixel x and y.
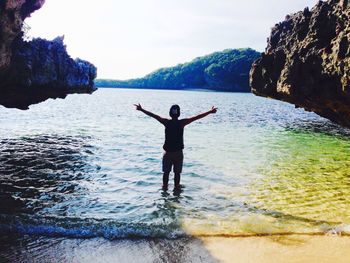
{"type": "Point", "coordinates": [226, 71]}
{"type": "Point", "coordinates": [307, 61]}
{"type": "Point", "coordinates": [33, 71]}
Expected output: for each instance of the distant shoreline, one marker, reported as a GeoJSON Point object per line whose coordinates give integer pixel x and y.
{"type": "Point", "coordinates": [182, 89]}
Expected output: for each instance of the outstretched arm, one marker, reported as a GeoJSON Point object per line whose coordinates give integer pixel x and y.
{"type": "Point", "coordinates": [155, 116]}
{"type": "Point", "coordinates": [200, 116]}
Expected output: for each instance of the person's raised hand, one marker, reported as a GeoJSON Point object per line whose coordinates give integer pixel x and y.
{"type": "Point", "coordinates": [213, 109]}
{"type": "Point", "coordinates": [138, 106]}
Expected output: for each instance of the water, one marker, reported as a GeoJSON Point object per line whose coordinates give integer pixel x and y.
{"type": "Point", "coordinates": [90, 166]}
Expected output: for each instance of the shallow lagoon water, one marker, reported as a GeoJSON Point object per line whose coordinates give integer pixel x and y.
{"type": "Point", "coordinates": [90, 166]}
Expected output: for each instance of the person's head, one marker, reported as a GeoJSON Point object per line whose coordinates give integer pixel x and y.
{"type": "Point", "coordinates": [174, 111]}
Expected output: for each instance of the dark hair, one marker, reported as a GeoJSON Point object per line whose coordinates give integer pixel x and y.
{"type": "Point", "coordinates": [174, 111]}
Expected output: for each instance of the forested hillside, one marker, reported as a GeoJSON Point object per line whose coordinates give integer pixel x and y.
{"type": "Point", "coordinates": [227, 71]}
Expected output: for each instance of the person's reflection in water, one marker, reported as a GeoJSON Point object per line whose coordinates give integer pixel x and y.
{"type": "Point", "coordinates": [174, 143]}
{"type": "Point", "coordinates": [177, 191]}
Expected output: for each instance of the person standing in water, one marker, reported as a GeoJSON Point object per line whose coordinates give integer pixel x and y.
{"type": "Point", "coordinates": [174, 142]}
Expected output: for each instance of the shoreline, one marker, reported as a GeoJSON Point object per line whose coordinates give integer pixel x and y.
{"type": "Point", "coordinates": [176, 89]}
{"type": "Point", "coordinates": [258, 249]}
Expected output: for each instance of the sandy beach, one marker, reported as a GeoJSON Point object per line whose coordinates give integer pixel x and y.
{"type": "Point", "coordinates": [286, 249]}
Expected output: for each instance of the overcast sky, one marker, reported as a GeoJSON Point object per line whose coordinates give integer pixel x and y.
{"type": "Point", "coordinates": [130, 38]}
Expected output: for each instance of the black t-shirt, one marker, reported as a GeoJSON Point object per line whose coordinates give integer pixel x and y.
{"type": "Point", "coordinates": [174, 135]}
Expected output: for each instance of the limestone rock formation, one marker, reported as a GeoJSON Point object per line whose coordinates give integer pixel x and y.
{"type": "Point", "coordinates": [33, 71]}
{"type": "Point", "coordinates": [307, 61]}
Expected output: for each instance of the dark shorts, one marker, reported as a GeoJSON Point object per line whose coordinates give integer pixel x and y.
{"type": "Point", "coordinates": [173, 159]}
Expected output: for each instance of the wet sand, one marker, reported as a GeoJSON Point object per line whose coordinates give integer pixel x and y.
{"type": "Point", "coordinates": [286, 249]}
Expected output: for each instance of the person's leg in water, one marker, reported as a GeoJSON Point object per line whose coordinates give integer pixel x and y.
{"type": "Point", "coordinates": [167, 164]}
{"type": "Point", "coordinates": [178, 162]}
{"type": "Point", "coordinates": [177, 180]}
{"type": "Point", "coordinates": [165, 180]}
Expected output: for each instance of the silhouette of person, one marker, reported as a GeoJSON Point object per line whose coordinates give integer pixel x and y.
{"type": "Point", "coordinates": [174, 143]}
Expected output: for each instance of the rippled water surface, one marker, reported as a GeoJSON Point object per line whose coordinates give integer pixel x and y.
{"type": "Point", "coordinates": [90, 166]}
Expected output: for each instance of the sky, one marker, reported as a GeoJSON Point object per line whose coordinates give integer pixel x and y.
{"type": "Point", "coordinates": [130, 38]}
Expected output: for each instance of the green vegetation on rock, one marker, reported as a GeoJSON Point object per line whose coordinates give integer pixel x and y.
{"type": "Point", "coordinates": [226, 71]}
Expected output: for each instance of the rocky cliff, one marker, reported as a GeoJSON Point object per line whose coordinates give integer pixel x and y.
{"type": "Point", "coordinates": [307, 61]}
{"type": "Point", "coordinates": [33, 71]}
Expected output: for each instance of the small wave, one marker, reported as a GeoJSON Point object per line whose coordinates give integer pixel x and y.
{"type": "Point", "coordinates": [93, 228]}
{"type": "Point", "coordinates": [110, 233]}
{"type": "Point", "coordinates": [111, 230]}
{"type": "Point", "coordinates": [129, 231]}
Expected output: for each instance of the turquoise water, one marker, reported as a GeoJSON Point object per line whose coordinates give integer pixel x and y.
{"type": "Point", "coordinates": [90, 166]}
